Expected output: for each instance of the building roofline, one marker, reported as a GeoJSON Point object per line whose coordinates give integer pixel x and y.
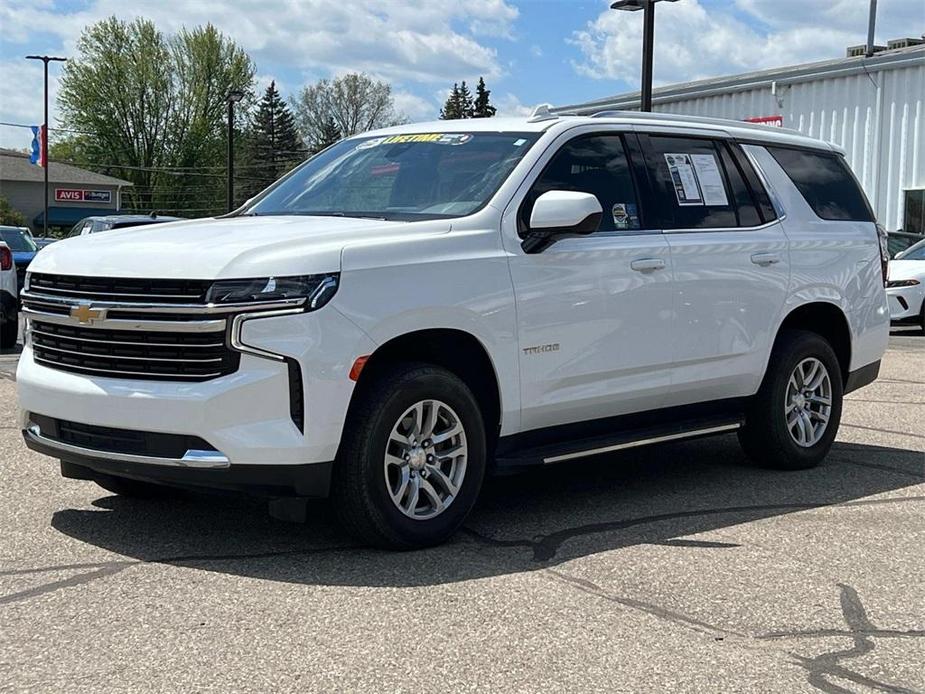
{"type": "Point", "coordinates": [793, 74]}
{"type": "Point", "coordinates": [59, 173]}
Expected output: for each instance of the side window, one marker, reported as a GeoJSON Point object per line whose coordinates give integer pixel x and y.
{"type": "Point", "coordinates": [746, 208]}
{"type": "Point", "coordinates": [826, 183]}
{"type": "Point", "coordinates": [595, 164]}
{"type": "Point", "coordinates": [692, 186]}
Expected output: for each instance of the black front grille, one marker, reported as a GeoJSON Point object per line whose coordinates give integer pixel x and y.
{"type": "Point", "coordinates": [155, 355]}
{"type": "Point", "coordinates": [109, 440]}
{"type": "Point", "coordinates": [119, 289]}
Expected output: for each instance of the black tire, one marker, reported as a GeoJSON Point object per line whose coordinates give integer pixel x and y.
{"type": "Point", "coordinates": [134, 489]}
{"type": "Point", "coordinates": [765, 437]}
{"type": "Point", "coordinates": [9, 328]}
{"type": "Point", "coordinates": [359, 489]}
{"type": "Point", "coordinates": [922, 317]}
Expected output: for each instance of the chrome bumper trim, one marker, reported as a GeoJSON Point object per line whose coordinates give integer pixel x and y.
{"type": "Point", "coordinates": [203, 460]}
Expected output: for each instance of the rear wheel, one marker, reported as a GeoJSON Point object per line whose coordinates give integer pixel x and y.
{"type": "Point", "coordinates": [9, 327]}
{"type": "Point", "coordinates": [792, 422]}
{"type": "Point", "coordinates": [412, 459]}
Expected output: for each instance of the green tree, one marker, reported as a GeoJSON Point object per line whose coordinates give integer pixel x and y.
{"type": "Point", "coordinates": [9, 216]}
{"type": "Point", "coordinates": [151, 109]}
{"type": "Point", "coordinates": [458, 104]}
{"type": "Point", "coordinates": [274, 144]}
{"type": "Point", "coordinates": [354, 103]}
{"type": "Point", "coordinates": [328, 135]}
{"type": "Point", "coordinates": [482, 107]}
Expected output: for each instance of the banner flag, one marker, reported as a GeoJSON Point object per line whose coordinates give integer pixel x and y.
{"type": "Point", "coordinates": [39, 155]}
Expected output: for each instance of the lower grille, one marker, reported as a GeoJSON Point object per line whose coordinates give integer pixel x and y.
{"type": "Point", "coordinates": [133, 353]}
{"type": "Point", "coordinates": [109, 440]}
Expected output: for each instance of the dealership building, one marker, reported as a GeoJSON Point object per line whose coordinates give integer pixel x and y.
{"type": "Point", "coordinates": [870, 107]}
{"type": "Point", "coordinates": [73, 193]}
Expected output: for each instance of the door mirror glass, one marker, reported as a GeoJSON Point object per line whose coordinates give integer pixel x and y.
{"type": "Point", "coordinates": [561, 213]}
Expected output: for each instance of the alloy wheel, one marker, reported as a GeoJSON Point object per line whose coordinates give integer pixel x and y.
{"type": "Point", "coordinates": [808, 403]}
{"type": "Point", "coordinates": [425, 459]}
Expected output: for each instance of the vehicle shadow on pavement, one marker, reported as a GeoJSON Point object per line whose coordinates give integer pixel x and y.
{"type": "Point", "coordinates": [662, 495]}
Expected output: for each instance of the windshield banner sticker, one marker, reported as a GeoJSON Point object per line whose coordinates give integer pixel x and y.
{"type": "Point", "coordinates": [697, 179]}
{"type": "Point", "coordinates": [433, 138]}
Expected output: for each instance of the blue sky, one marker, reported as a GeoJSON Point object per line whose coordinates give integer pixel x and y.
{"type": "Point", "coordinates": [529, 51]}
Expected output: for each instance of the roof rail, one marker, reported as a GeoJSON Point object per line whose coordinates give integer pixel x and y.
{"type": "Point", "coordinates": [541, 113]}
{"type": "Point", "coordinates": [681, 118]}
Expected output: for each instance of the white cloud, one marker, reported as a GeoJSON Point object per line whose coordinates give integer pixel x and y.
{"type": "Point", "coordinates": [693, 42]}
{"type": "Point", "coordinates": [21, 94]}
{"type": "Point", "coordinates": [401, 41]}
{"type": "Point", "coordinates": [415, 108]}
{"type": "Point", "coordinates": [509, 105]}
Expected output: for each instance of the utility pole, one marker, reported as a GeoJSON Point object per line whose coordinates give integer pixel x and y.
{"type": "Point", "coordinates": [233, 98]}
{"type": "Point", "coordinates": [648, 43]}
{"type": "Point", "coordinates": [45, 59]}
{"type": "Point", "coordinates": [871, 25]}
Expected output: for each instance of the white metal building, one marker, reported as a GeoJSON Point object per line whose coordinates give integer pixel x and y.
{"type": "Point", "coordinates": [871, 107]}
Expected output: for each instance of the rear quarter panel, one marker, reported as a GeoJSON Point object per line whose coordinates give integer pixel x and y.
{"type": "Point", "coordinates": [837, 262]}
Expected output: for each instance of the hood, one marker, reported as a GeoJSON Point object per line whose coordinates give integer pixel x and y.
{"type": "Point", "coordinates": [906, 269]}
{"type": "Point", "coordinates": [220, 248]}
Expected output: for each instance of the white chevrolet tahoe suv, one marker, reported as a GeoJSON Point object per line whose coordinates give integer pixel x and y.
{"type": "Point", "coordinates": [416, 307]}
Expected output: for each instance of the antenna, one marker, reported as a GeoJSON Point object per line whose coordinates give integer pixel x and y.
{"type": "Point", "coordinates": [541, 113]}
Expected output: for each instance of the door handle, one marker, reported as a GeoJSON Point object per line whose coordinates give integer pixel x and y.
{"type": "Point", "coordinates": [647, 264]}
{"type": "Point", "coordinates": [765, 259]}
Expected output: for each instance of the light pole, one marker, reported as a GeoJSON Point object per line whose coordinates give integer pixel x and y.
{"type": "Point", "coordinates": [45, 59]}
{"type": "Point", "coordinates": [233, 98]}
{"type": "Point", "coordinates": [648, 35]}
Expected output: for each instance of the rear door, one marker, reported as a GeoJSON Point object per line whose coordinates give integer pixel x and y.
{"type": "Point", "coordinates": [593, 312]}
{"type": "Point", "coordinates": [731, 264]}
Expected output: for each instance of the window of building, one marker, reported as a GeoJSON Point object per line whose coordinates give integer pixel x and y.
{"type": "Point", "coordinates": [826, 182]}
{"type": "Point", "coordinates": [595, 164]}
{"type": "Point", "coordinates": [914, 210]}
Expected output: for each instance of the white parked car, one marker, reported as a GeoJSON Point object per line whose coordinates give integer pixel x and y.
{"type": "Point", "coordinates": [418, 306]}
{"type": "Point", "coordinates": [905, 287]}
{"type": "Point", "coordinates": [9, 299]}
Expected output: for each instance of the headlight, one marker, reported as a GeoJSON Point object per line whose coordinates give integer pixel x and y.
{"type": "Point", "coordinates": [317, 290]}
{"type": "Point", "coordinates": [892, 284]}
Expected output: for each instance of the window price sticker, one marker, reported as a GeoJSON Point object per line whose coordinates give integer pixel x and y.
{"type": "Point", "coordinates": [696, 179]}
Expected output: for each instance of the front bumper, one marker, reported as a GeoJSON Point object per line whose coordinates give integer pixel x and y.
{"type": "Point", "coordinates": [245, 417]}
{"type": "Point", "coordinates": [905, 302]}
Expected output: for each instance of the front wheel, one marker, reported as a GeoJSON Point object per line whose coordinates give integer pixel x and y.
{"type": "Point", "coordinates": [412, 459]}
{"type": "Point", "coordinates": [792, 421]}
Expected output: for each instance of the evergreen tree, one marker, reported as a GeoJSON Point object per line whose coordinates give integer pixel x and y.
{"type": "Point", "coordinates": [482, 107]}
{"type": "Point", "coordinates": [327, 135]}
{"type": "Point", "coordinates": [275, 142]}
{"type": "Point", "coordinates": [459, 103]}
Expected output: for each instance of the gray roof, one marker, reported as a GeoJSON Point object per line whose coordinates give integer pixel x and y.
{"type": "Point", "coordinates": [896, 58]}
{"type": "Point", "coordinates": [15, 166]}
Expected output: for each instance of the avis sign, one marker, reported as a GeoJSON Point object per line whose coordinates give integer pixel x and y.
{"type": "Point", "coordinates": [82, 195]}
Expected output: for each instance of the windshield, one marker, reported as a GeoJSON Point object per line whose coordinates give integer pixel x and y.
{"type": "Point", "coordinates": [18, 240]}
{"type": "Point", "coordinates": [400, 177]}
{"type": "Point", "coordinates": [916, 252]}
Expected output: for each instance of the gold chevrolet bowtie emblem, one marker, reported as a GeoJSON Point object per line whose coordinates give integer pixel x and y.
{"type": "Point", "coordinates": [87, 314]}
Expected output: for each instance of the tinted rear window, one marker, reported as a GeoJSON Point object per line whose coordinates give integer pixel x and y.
{"type": "Point", "coordinates": [826, 182]}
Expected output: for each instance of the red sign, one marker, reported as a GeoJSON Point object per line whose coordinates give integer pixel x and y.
{"type": "Point", "coordinates": [81, 195]}
{"type": "Point", "coordinates": [770, 121]}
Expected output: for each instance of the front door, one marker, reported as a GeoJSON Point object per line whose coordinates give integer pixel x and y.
{"type": "Point", "coordinates": [593, 312]}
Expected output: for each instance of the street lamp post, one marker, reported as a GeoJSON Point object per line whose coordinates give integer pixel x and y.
{"type": "Point", "coordinates": [46, 59]}
{"type": "Point", "coordinates": [233, 98]}
{"type": "Point", "coordinates": [648, 36]}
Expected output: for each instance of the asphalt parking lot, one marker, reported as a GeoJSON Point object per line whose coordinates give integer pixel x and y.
{"type": "Point", "coordinates": [672, 568]}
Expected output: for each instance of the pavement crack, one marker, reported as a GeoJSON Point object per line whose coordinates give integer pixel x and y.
{"type": "Point", "coordinates": [862, 631]}
{"type": "Point", "coordinates": [546, 547]}
{"type": "Point", "coordinates": [883, 431]}
{"type": "Point", "coordinates": [662, 613]}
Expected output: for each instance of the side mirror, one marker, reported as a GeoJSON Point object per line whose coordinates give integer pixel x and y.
{"type": "Point", "coordinates": [561, 213]}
